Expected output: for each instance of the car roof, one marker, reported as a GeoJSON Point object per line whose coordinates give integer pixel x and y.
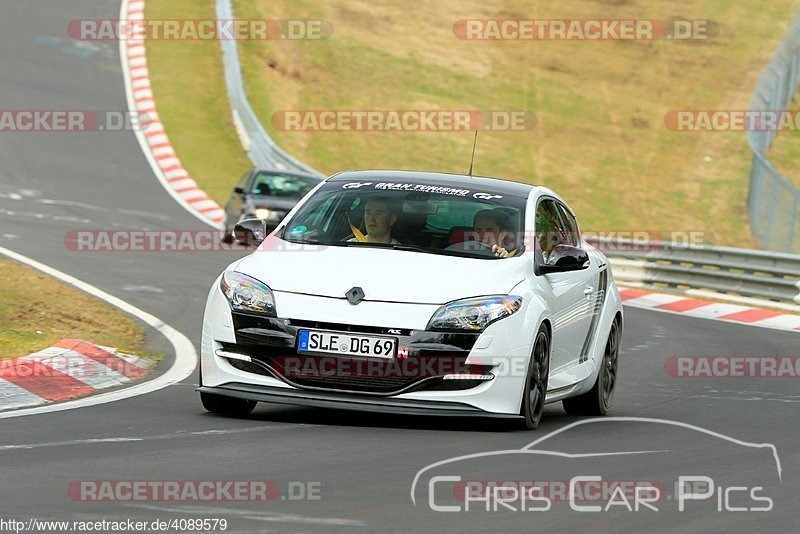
{"type": "Point", "coordinates": [499, 185]}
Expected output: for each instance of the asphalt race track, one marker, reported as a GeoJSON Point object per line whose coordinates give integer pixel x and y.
{"type": "Point", "coordinates": [51, 183]}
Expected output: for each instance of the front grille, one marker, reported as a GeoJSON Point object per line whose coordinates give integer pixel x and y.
{"type": "Point", "coordinates": [356, 384]}
{"type": "Point", "coordinates": [341, 372]}
{"type": "Point", "coordinates": [304, 373]}
{"type": "Point", "coordinates": [365, 375]}
{"type": "Point", "coordinates": [360, 383]}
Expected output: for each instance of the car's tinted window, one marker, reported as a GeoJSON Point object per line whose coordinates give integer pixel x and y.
{"type": "Point", "coordinates": [282, 185]}
{"type": "Point", "coordinates": [573, 236]}
{"type": "Point", "coordinates": [550, 231]}
{"type": "Point", "coordinates": [451, 214]}
{"type": "Point", "coordinates": [433, 219]}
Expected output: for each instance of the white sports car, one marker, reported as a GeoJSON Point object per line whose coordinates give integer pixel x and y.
{"type": "Point", "coordinates": [415, 293]}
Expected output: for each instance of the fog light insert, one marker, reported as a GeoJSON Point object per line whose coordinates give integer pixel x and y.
{"type": "Point", "coordinates": [466, 376]}
{"type": "Point", "coordinates": [233, 355]}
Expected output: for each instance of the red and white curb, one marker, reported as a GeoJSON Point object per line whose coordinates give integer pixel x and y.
{"type": "Point", "coordinates": [692, 307]}
{"type": "Point", "coordinates": [152, 136]}
{"type": "Point", "coordinates": [69, 369]}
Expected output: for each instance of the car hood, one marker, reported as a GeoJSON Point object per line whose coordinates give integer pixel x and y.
{"type": "Point", "coordinates": [383, 274]}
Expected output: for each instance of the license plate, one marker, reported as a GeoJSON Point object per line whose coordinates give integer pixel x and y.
{"type": "Point", "coordinates": [315, 341]}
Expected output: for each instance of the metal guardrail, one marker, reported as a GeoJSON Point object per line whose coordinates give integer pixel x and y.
{"type": "Point", "coordinates": [749, 273]}
{"type": "Point", "coordinates": [263, 151]}
{"type": "Point", "coordinates": [774, 201]}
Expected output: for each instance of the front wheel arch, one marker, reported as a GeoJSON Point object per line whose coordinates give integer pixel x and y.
{"type": "Point", "coordinates": [598, 400]}
{"type": "Point", "coordinates": [534, 392]}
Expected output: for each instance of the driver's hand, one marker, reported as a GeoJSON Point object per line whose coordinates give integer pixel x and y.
{"type": "Point", "coordinates": [499, 251]}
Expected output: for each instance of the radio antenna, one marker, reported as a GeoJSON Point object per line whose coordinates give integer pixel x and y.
{"type": "Point", "coordinates": [472, 159]}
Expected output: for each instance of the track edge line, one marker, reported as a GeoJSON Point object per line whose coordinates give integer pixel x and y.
{"type": "Point", "coordinates": [183, 366]}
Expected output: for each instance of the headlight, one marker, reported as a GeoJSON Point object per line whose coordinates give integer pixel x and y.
{"type": "Point", "coordinates": [247, 294]}
{"type": "Point", "coordinates": [262, 213]}
{"type": "Point", "coordinates": [474, 314]}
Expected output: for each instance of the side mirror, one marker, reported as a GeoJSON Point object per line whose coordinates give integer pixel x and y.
{"type": "Point", "coordinates": [250, 232]}
{"type": "Point", "coordinates": [239, 190]}
{"type": "Point", "coordinates": [565, 258]}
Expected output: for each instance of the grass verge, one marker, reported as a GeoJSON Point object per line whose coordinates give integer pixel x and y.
{"type": "Point", "coordinates": [189, 90]}
{"type": "Point", "coordinates": [36, 311]}
{"type": "Point", "coordinates": [600, 140]}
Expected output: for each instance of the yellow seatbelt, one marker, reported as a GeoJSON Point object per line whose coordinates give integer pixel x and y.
{"type": "Point", "coordinates": [361, 238]}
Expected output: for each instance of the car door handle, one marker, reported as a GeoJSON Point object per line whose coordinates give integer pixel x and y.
{"type": "Point", "coordinates": [588, 291]}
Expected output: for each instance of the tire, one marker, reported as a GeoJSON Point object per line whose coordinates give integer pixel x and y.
{"type": "Point", "coordinates": [598, 400]}
{"type": "Point", "coordinates": [535, 390]}
{"type": "Point", "coordinates": [229, 406]}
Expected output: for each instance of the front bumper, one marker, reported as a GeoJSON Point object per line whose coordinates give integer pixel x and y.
{"type": "Point", "coordinates": [318, 399]}
{"type": "Point", "coordinates": [498, 350]}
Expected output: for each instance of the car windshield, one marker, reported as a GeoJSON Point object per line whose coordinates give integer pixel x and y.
{"type": "Point", "coordinates": [282, 185]}
{"type": "Point", "coordinates": [447, 220]}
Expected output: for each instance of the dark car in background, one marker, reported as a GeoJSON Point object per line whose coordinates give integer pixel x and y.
{"type": "Point", "coordinates": [266, 194]}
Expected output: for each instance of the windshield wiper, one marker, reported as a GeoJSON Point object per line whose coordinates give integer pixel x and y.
{"type": "Point", "coordinates": [302, 241]}
{"type": "Point", "coordinates": [395, 246]}
{"type": "Point", "coordinates": [411, 248]}
{"type": "Point", "coordinates": [366, 244]}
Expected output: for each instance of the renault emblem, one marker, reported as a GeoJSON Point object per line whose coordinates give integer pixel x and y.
{"type": "Point", "coordinates": [355, 295]}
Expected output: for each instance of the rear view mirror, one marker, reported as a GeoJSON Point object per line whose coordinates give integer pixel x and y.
{"type": "Point", "coordinates": [250, 232]}
{"type": "Point", "coordinates": [565, 258]}
{"type": "Point", "coordinates": [420, 207]}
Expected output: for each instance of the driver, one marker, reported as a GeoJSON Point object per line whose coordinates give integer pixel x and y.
{"type": "Point", "coordinates": [379, 218]}
{"type": "Point", "coordinates": [492, 228]}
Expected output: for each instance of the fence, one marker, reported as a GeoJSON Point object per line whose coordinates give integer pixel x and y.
{"type": "Point", "coordinates": [749, 273]}
{"type": "Point", "coordinates": [260, 147]}
{"type": "Point", "coordinates": [773, 200]}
